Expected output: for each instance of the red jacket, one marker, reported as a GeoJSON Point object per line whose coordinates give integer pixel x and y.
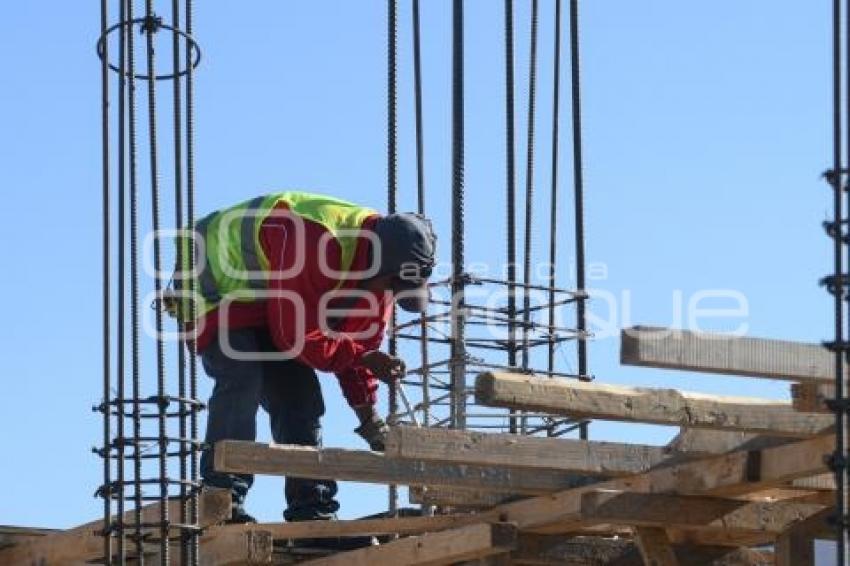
{"type": "Point", "coordinates": [336, 352]}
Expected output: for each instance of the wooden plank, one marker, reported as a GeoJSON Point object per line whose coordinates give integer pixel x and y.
{"type": "Point", "coordinates": [512, 450]}
{"type": "Point", "coordinates": [551, 550]}
{"type": "Point", "coordinates": [349, 528]}
{"type": "Point", "coordinates": [558, 550]}
{"type": "Point", "coordinates": [690, 443]}
{"type": "Point", "coordinates": [458, 497]}
{"type": "Point", "coordinates": [84, 543]}
{"type": "Point", "coordinates": [735, 473]}
{"type": "Point", "coordinates": [638, 404]}
{"type": "Point", "coordinates": [446, 547]}
{"type": "Point", "coordinates": [236, 456]}
{"type": "Point", "coordinates": [723, 354]}
{"type": "Point", "coordinates": [237, 547]}
{"type": "Point", "coordinates": [694, 512]}
{"type": "Point", "coordinates": [10, 535]}
{"type": "Point", "coordinates": [655, 547]}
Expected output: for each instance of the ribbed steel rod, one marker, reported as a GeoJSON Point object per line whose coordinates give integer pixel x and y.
{"type": "Point", "coordinates": [392, 188]}
{"type": "Point", "coordinates": [121, 277]}
{"type": "Point", "coordinates": [578, 191]}
{"type": "Point", "coordinates": [134, 286]}
{"type": "Point", "coordinates": [553, 202]}
{"type": "Point", "coordinates": [529, 190]}
{"type": "Point", "coordinates": [194, 471]}
{"type": "Point", "coordinates": [420, 187]}
{"type": "Point", "coordinates": [458, 347]}
{"type": "Point", "coordinates": [529, 178]}
{"type": "Point", "coordinates": [510, 186]}
{"type": "Point", "coordinates": [162, 423]}
{"type": "Point", "coordinates": [177, 103]}
{"type": "Point", "coordinates": [105, 292]}
{"type": "Point", "coordinates": [840, 115]}
{"type": "Point", "coordinates": [190, 226]}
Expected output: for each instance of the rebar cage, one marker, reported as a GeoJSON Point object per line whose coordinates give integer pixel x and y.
{"type": "Point", "coordinates": [150, 426]}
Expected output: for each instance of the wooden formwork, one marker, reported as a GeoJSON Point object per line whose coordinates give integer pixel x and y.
{"type": "Point", "coordinates": [745, 481]}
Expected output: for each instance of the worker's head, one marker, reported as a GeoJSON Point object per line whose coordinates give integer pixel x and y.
{"type": "Point", "coordinates": [406, 257]}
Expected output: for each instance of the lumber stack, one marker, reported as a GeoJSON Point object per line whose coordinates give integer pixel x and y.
{"type": "Point", "coordinates": [742, 475]}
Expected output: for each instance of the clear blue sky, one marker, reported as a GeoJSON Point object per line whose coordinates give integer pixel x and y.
{"type": "Point", "coordinates": [706, 128]}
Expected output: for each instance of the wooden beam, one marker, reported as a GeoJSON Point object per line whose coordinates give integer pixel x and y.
{"type": "Point", "coordinates": [516, 451]}
{"type": "Point", "coordinates": [539, 550]}
{"type": "Point", "coordinates": [10, 535]}
{"type": "Point", "coordinates": [732, 355]}
{"type": "Point", "coordinates": [727, 474]}
{"type": "Point", "coordinates": [655, 547]}
{"type": "Point", "coordinates": [691, 443]}
{"type": "Point", "coordinates": [349, 528]}
{"type": "Point", "coordinates": [459, 497]}
{"type": "Point", "coordinates": [236, 456]}
{"type": "Point", "coordinates": [84, 543]}
{"type": "Point", "coordinates": [693, 512]}
{"type": "Point", "coordinates": [637, 404]}
{"type": "Point", "coordinates": [433, 549]}
{"type": "Point", "coordinates": [559, 550]}
{"type": "Point", "coordinates": [237, 548]}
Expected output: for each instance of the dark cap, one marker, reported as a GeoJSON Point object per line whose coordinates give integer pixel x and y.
{"type": "Point", "coordinates": [407, 249]}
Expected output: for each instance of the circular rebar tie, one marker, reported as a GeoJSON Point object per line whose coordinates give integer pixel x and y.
{"type": "Point", "coordinates": [151, 25]}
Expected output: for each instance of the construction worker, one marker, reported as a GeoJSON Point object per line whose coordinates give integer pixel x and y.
{"type": "Point", "coordinates": [287, 284]}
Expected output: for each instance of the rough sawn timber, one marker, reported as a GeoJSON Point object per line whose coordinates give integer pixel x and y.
{"type": "Point", "coordinates": [730, 474]}
{"type": "Point", "coordinates": [512, 450]}
{"type": "Point", "coordinates": [237, 456]}
{"type": "Point", "coordinates": [725, 354]}
{"type": "Point", "coordinates": [639, 404]}
{"type": "Point", "coordinates": [84, 543]}
{"type": "Point", "coordinates": [432, 549]}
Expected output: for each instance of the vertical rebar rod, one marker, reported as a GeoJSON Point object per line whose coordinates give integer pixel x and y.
{"type": "Point", "coordinates": [838, 184]}
{"type": "Point", "coordinates": [553, 203]}
{"type": "Point", "coordinates": [392, 190]}
{"type": "Point", "coordinates": [162, 404]}
{"type": "Point", "coordinates": [105, 290]}
{"type": "Point", "coordinates": [510, 189]}
{"type": "Point", "coordinates": [458, 347]}
{"type": "Point", "coordinates": [578, 191]}
{"type": "Point", "coordinates": [529, 190]}
{"type": "Point", "coordinates": [185, 550]}
{"type": "Point", "coordinates": [121, 277]}
{"type": "Point", "coordinates": [134, 286]}
{"type": "Point", "coordinates": [420, 197]}
{"type": "Point", "coordinates": [190, 226]}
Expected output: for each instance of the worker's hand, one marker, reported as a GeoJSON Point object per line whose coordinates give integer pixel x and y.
{"type": "Point", "coordinates": [387, 368]}
{"type": "Point", "coordinates": [372, 428]}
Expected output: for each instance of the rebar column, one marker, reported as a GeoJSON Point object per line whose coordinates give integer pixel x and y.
{"type": "Point", "coordinates": [145, 433]}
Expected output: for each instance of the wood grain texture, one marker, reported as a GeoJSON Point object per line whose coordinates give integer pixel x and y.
{"type": "Point", "coordinates": [639, 404]}
{"type": "Point", "coordinates": [434, 549]}
{"type": "Point", "coordinates": [236, 456]}
{"type": "Point", "coordinates": [83, 543]}
{"type": "Point", "coordinates": [723, 354]}
{"type": "Point", "coordinates": [512, 450]}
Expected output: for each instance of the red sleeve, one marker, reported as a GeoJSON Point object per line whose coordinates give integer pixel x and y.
{"type": "Point", "coordinates": [293, 306]}
{"type": "Point", "coordinates": [359, 385]}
